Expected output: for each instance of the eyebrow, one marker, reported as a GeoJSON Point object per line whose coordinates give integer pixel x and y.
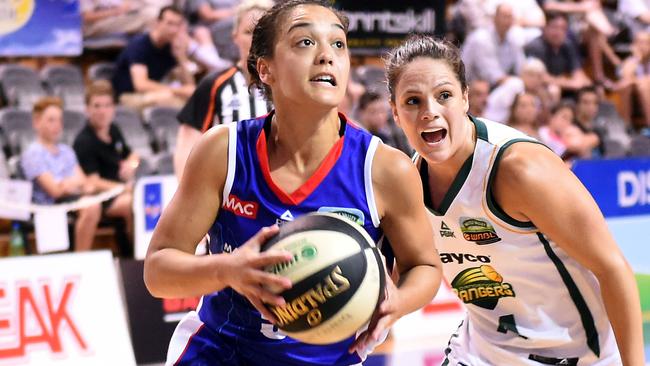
{"type": "Point", "coordinates": [309, 25]}
{"type": "Point", "coordinates": [435, 86]}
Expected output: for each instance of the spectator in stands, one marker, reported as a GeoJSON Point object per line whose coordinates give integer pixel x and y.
{"type": "Point", "coordinates": [478, 92]}
{"type": "Point", "coordinates": [588, 19]}
{"type": "Point", "coordinates": [532, 79]}
{"type": "Point", "coordinates": [558, 54]}
{"type": "Point", "coordinates": [54, 169]}
{"type": "Point", "coordinates": [529, 18]}
{"type": "Point", "coordinates": [595, 116]}
{"type": "Point", "coordinates": [374, 116]}
{"type": "Point", "coordinates": [564, 137]}
{"type": "Point", "coordinates": [523, 114]}
{"type": "Point", "coordinates": [491, 53]}
{"type": "Point", "coordinates": [104, 154]}
{"type": "Point", "coordinates": [636, 14]}
{"type": "Point", "coordinates": [103, 17]}
{"type": "Point", "coordinates": [635, 77]}
{"type": "Point", "coordinates": [223, 97]}
{"type": "Point", "coordinates": [218, 16]}
{"type": "Point", "coordinates": [150, 57]}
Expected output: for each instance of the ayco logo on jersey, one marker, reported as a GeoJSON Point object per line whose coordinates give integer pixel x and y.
{"type": "Point", "coordinates": [242, 208]}
{"type": "Point", "coordinates": [352, 214]}
{"type": "Point", "coordinates": [481, 286]}
{"type": "Point", "coordinates": [478, 230]}
{"type": "Point", "coordinates": [463, 257]}
{"type": "Point", "coordinates": [445, 231]}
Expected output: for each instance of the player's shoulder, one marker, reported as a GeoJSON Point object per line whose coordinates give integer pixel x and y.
{"type": "Point", "coordinates": [525, 163]}
{"type": "Point", "coordinates": [392, 166]}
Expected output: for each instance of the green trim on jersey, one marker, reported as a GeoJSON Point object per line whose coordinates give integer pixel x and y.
{"type": "Point", "coordinates": [451, 194]}
{"type": "Point", "coordinates": [585, 314]}
{"type": "Point", "coordinates": [493, 205]}
{"type": "Point", "coordinates": [481, 128]}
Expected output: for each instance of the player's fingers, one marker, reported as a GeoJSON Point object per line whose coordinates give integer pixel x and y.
{"type": "Point", "coordinates": [383, 324]}
{"type": "Point", "coordinates": [267, 296]}
{"type": "Point", "coordinates": [266, 314]}
{"type": "Point", "coordinates": [359, 342]}
{"type": "Point", "coordinates": [262, 236]}
{"type": "Point", "coordinates": [271, 281]}
{"type": "Point", "coordinates": [271, 257]}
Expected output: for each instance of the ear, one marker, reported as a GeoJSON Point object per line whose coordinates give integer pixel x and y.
{"type": "Point", "coordinates": [466, 101]}
{"type": "Point", "coordinates": [264, 70]}
{"type": "Point", "coordinates": [393, 110]}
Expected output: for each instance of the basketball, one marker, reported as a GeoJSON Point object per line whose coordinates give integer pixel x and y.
{"type": "Point", "coordinates": [337, 274]}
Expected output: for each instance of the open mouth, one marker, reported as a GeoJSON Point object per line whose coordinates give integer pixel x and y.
{"type": "Point", "coordinates": [434, 135]}
{"type": "Point", "coordinates": [324, 78]}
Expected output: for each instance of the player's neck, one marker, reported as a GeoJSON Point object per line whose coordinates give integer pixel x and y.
{"type": "Point", "coordinates": [303, 137]}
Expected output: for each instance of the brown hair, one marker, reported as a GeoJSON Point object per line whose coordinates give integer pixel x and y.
{"type": "Point", "coordinates": [45, 102]}
{"type": "Point", "coordinates": [99, 87]}
{"type": "Point", "coordinates": [418, 45]}
{"type": "Point", "coordinates": [265, 36]}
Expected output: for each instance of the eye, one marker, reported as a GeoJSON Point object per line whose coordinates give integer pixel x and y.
{"type": "Point", "coordinates": [412, 101]}
{"type": "Point", "coordinates": [339, 44]}
{"type": "Point", "coordinates": [444, 95]}
{"type": "Point", "coordinates": [305, 42]}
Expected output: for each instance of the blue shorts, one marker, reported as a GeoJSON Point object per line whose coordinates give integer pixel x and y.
{"type": "Point", "coordinates": [194, 343]}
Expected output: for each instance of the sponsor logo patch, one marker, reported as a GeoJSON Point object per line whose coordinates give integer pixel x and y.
{"type": "Point", "coordinates": [240, 207]}
{"type": "Point", "coordinates": [463, 257]}
{"type": "Point", "coordinates": [482, 286]}
{"type": "Point", "coordinates": [478, 230]}
{"type": "Point", "coordinates": [445, 231]}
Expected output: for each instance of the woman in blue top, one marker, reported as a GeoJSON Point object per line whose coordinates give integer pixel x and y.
{"type": "Point", "coordinates": [241, 179]}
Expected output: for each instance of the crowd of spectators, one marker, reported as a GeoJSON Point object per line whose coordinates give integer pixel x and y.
{"type": "Point", "coordinates": [573, 74]}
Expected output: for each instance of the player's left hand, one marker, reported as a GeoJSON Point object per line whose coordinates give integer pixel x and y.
{"type": "Point", "coordinates": [386, 314]}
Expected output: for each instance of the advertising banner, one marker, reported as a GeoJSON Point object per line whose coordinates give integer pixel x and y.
{"type": "Point", "coordinates": [40, 28]}
{"type": "Point", "coordinates": [62, 309]}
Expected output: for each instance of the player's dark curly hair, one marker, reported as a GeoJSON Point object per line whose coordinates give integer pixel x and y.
{"type": "Point", "coordinates": [265, 36]}
{"type": "Point", "coordinates": [422, 46]}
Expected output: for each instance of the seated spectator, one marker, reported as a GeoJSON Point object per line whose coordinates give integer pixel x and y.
{"type": "Point", "coordinates": [148, 58]}
{"type": "Point", "coordinates": [558, 54]}
{"type": "Point", "coordinates": [103, 153]}
{"type": "Point", "coordinates": [374, 116]}
{"type": "Point", "coordinates": [589, 20]}
{"type": "Point", "coordinates": [231, 100]}
{"type": "Point", "coordinates": [635, 78]}
{"type": "Point", "coordinates": [491, 53]}
{"type": "Point", "coordinates": [217, 16]}
{"type": "Point", "coordinates": [54, 169]}
{"type": "Point", "coordinates": [477, 94]}
{"type": "Point", "coordinates": [102, 17]}
{"type": "Point", "coordinates": [523, 114]}
{"type": "Point", "coordinates": [532, 79]}
{"type": "Point", "coordinates": [529, 18]}
{"type": "Point", "coordinates": [593, 115]}
{"type": "Point", "coordinates": [562, 136]}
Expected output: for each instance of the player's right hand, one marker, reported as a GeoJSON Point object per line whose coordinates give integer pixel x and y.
{"type": "Point", "coordinates": [247, 275]}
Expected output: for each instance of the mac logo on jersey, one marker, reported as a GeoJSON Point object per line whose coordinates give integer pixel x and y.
{"type": "Point", "coordinates": [482, 286]}
{"type": "Point", "coordinates": [247, 209]}
{"type": "Point", "coordinates": [478, 230]}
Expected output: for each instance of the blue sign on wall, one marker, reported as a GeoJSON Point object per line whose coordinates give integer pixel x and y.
{"type": "Point", "coordinates": [620, 187]}
{"type": "Point", "coordinates": [40, 28]}
{"type": "Point", "coordinates": [152, 205]}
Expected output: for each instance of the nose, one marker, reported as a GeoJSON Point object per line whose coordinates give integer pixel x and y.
{"type": "Point", "coordinates": [325, 56]}
{"type": "Point", "coordinates": [429, 111]}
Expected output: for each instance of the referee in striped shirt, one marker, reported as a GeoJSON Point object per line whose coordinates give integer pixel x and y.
{"type": "Point", "coordinates": [223, 97]}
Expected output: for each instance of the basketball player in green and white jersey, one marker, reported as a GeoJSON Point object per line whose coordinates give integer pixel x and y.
{"type": "Point", "coordinates": [522, 242]}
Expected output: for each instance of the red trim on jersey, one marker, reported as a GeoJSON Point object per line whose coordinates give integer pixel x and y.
{"type": "Point", "coordinates": [209, 116]}
{"type": "Point", "coordinates": [188, 344]}
{"type": "Point", "coordinates": [299, 195]}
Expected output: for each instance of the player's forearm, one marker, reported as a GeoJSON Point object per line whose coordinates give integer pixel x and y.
{"type": "Point", "coordinates": [621, 298]}
{"type": "Point", "coordinates": [171, 273]}
{"type": "Point", "coordinates": [417, 287]}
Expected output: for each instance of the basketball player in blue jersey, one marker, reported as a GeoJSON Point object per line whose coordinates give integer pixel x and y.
{"type": "Point", "coordinates": [243, 178]}
{"type": "Point", "coordinates": [522, 242]}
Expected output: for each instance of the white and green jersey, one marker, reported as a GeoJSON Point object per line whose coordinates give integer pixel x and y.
{"type": "Point", "coordinates": [528, 302]}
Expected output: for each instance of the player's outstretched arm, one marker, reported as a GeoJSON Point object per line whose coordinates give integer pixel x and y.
{"type": "Point", "coordinates": [404, 220]}
{"type": "Point", "coordinates": [532, 184]}
{"type": "Point", "coordinates": [171, 268]}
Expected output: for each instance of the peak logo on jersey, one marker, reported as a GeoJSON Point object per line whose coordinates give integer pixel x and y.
{"type": "Point", "coordinates": [284, 218]}
{"type": "Point", "coordinates": [463, 257]}
{"type": "Point", "coordinates": [445, 231]}
{"type": "Point", "coordinates": [478, 230]}
{"type": "Point", "coordinates": [352, 214]}
{"type": "Point", "coordinates": [481, 286]}
{"type": "Point", "coordinates": [247, 209]}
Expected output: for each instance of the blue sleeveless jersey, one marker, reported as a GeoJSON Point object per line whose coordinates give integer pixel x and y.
{"type": "Point", "coordinates": [342, 184]}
